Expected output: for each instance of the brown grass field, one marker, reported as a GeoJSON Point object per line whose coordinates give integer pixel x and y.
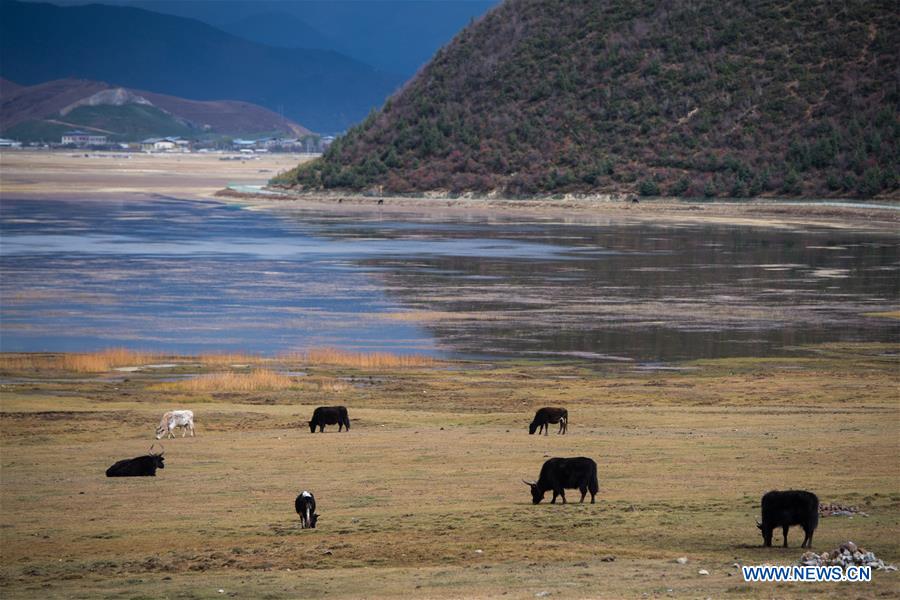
{"type": "Point", "coordinates": [430, 475]}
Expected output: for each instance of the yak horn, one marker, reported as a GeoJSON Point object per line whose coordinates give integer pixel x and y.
{"type": "Point", "coordinates": [529, 483]}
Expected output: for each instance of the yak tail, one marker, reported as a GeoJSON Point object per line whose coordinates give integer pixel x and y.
{"type": "Point", "coordinates": [594, 485]}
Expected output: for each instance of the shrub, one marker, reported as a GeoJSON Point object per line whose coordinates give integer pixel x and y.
{"type": "Point", "coordinates": [648, 187]}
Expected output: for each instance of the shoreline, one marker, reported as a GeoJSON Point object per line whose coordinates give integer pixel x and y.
{"type": "Point", "coordinates": [104, 177]}
{"type": "Point", "coordinates": [772, 213]}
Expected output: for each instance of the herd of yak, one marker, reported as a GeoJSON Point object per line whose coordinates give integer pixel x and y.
{"type": "Point", "coordinates": [779, 509]}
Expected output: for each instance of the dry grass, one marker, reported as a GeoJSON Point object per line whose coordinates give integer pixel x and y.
{"type": "Point", "coordinates": [363, 360]}
{"type": "Point", "coordinates": [430, 473]}
{"type": "Point", "coordinates": [258, 380]}
{"type": "Point", "coordinates": [331, 384]}
{"type": "Point", "coordinates": [84, 362]}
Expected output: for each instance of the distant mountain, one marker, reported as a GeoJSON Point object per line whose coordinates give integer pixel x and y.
{"type": "Point", "coordinates": [702, 98]}
{"type": "Point", "coordinates": [396, 36]}
{"type": "Point", "coordinates": [281, 29]}
{"type": "Point", "coordinates": [42, 112]}
{"type": "Point", "coordinates": [8, 87]}
{"type": "Point", "coordinates": [324, 90]}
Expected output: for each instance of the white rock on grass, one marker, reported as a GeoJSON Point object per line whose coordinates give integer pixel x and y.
{"type": "Point", "coordinates": [702, 572]}
{"type": "Point", "coordinates": [682, 560]}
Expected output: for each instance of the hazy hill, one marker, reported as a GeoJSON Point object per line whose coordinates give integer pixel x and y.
{"type": "Point", "coordinates": [324, 90]}
{"type": "Point", "coordinates": [396, 36]}
{"type": "Point", "coordinates": [42, 112]}
{"type": "Point", "coordinates": [8, 87]}
{"type": "Point", "coordinates": [279, 28]}
{"type": "Point", "coordinates": [711, 97]}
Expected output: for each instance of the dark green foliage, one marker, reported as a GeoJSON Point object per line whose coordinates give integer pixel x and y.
{"type": "Point", "coordinates": [648, 187]}
{"type": "Point", "coordinates": [679, 187]}
{"type": "Point", "coordinates": [714, 98]}
{"type": "Point", "coordinates": [791, 183]}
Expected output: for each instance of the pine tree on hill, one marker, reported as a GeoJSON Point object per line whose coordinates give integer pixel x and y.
{"type": "Point", "coordinates": [702, 98]}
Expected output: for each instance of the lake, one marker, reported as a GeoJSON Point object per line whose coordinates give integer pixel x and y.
{"type": "Point", "coordinates": [196, 276]}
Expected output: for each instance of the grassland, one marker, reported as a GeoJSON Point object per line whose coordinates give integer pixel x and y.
{"type": "Point", "coordinates": [112, 176]}
{"type": "Point", "coordinates": [422, 498]}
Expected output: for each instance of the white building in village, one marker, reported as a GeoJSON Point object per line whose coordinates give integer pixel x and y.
{"type": "Point", "coordinates": [166, 144]}
{"type": "Point", "coordinates": [83, 138]}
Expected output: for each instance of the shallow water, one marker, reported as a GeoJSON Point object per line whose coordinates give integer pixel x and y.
{"type": "Point", "coordinates": [197, 276]}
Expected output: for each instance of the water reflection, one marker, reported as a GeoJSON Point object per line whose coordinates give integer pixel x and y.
{"type": "Point", "coordinates": [189, 276]}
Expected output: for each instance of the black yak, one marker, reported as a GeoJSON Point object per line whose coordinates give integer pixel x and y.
{"type": "Point", "coordinates": [329, 415]}
{"type": "Point", "coordinates": [559, 474]}
{"type": "Point", "coordinates": [544, 416]}
{"type": "Point", "coordinates": [783, 509]}
{"type": "Point", "coordinates": [305, 505]}
{"type": "Point", "coordinates": [140, 466]}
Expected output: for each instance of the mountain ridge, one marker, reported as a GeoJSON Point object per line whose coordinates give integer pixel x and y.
{"type": "Point", "coordinates": [27, 106]}
{"type": "Point", "coordinates": [700, 99]}
{"type": "Point", "coordinates": [140, 49]}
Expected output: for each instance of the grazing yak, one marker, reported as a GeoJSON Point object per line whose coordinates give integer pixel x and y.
{"type": "Point", "coordinates": [305, 505]}
{"type": "Point", "coordinates": [783, 509]}
{"type": "Point", "coordinates": [544, 416]}
{"type": "Point", "coordinates": [559, 474]}
{"type": "Point", "coordinates": [173, 419]}
{"type": "Point", "coordinates": [141, 466]}
{"type": "Point", "coordinates": [329, 415]}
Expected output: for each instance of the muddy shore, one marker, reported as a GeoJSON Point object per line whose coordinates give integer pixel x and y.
{"type": "Point", "coordinates": [587, 210]}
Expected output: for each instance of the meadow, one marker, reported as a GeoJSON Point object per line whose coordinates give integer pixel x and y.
{"type": "Point", "coordinates": [423, 497]}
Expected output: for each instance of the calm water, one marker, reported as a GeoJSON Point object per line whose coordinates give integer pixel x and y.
{"type": "Point", "coordinates": [195, 276]}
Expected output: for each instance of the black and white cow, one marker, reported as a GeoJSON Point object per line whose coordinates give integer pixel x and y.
{"type": "Point", "coordinates": [544, 416]}
{"type": "Point", "coordinates": [305, 505]}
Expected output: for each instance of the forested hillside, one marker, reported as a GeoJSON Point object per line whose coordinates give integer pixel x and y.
{"type": "Point", "coordinates": [703, 98]}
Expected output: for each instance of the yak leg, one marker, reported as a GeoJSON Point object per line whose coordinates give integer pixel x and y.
{"type": "Point", "coordinates": [563, 494]}
{"type": "Point", "coordinates": [183, 430]}
{"type": "Point", "coordinates": [807, 540]}
{"type": "Point", "coordinates": [554, 497]}
{"type": "Point", "coordinates": [546, 428]}
{"type": "Point", "coordinates": [583, 493]}
{"type": "Point", "coordinates": [784, 531]}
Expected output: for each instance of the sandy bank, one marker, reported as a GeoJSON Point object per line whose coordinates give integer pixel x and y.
{"type": "Point", "coordinates": [881, 216]}
{"type": "Point", "coordinates": [118, 175]}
